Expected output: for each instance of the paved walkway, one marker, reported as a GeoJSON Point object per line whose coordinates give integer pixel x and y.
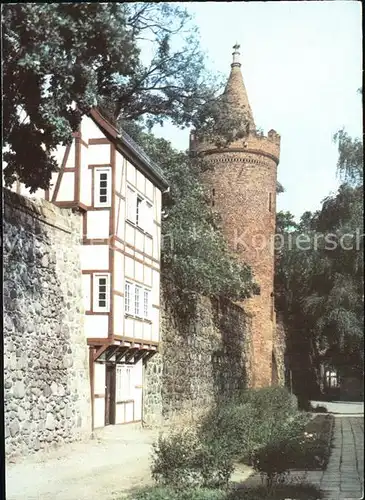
{"type": "Point", "coordinates": [344, 477]}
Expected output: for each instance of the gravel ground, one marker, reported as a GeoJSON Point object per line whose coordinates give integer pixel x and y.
{"type": "Point", "coordinates": [104, 468]}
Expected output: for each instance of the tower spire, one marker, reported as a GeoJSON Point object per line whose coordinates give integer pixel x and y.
{"type": "Point", "coordinates": [235, 91]}
{"type": "Point", "coordinates": [236, 56]}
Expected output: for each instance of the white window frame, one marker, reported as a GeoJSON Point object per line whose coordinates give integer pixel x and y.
{"type": "Point", "coordinates": [139, 210]}
{"type": "Point", "coordinates": [131, 204]}
{"type": "Point", "coordinates": [96, 292]}
{"type": "Point", "coordinates": [138, 294]}
{"type": "Point", "coordinates": [147, 304]}
{"type": "Point", "coordinates": [128, 298]}
{"type": "Point", "coordinates": [123, 386]}
{"type": "Point", "coordinates": [149, 218]}
{"type": "Point", "coordinates": [98, 171]}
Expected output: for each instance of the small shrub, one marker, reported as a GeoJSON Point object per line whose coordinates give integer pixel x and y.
{"type": "Point", "coordinates": [269, 400]}
{"type": "Point", "coordinates": [278, 446]}
{"type": "Point", "coordinates": [182, 459]}
{"type": "Point", "coordinates": [252, 421]}
{"type": "Point", "coordinates": [262, 428]}
{"type": "Point", "coordinates": [231, 427]}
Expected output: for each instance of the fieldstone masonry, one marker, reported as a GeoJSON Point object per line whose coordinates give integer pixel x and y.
{"type": "Point", "coordinates": [204, 357]}
{"type": "Point", "coordinates": [46, 376]}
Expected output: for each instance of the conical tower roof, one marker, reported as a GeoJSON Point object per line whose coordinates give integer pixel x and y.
{"type": "Point", "coordinates": [235, 92]}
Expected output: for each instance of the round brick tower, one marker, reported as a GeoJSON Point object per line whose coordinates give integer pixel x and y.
{"type": "Point", "coordinates": [242, 181]}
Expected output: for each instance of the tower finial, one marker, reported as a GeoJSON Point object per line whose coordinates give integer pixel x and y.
{"type": "Point", "coordinates": [236, 55]}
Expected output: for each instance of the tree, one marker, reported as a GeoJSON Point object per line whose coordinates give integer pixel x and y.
{"type": "Point", "coordinates": [320, 288]}
{"type": "Point", "coordinates": [350, 160]}
{"type": "Point", "coordinates": [58, 54]}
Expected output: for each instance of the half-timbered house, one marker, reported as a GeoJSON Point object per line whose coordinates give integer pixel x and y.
{"type": "Point", "coordinates": [118, 191]}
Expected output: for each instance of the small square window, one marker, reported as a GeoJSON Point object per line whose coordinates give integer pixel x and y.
{"type": "Point", "coordinates": [102, 187]}
{"type": "Point", "coordinates": [101, 293]}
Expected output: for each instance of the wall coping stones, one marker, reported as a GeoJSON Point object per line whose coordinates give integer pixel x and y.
{"type": "Point", "coordinates": [41, 210]}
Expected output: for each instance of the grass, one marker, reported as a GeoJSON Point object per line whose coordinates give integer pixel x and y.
{"type": "Point", "coordinates": [300, 491]}
{"type": "Point", "coordinates": [317, 445]}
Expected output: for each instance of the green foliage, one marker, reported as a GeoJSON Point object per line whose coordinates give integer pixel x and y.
{"type": "Point", "coordinates": [194, 254]}
{"type": "Point", "coordinates": [281, 492]}
{"type": "Point", "coordinates": [181, 459]}
{"type": "Point", "coordinates": [262, 428]}
{"type": "Point", "coordinates": [221, 122]}
{"type": "Point", "coordinates": [350, 160]}
{"type": "Point", "coordinates": [320, 284]}
{"type": "Point", "coordinates": [58, 54]}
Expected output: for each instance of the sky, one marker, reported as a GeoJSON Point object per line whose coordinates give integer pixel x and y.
{"type": "Point", "coordinates": [302, 67]}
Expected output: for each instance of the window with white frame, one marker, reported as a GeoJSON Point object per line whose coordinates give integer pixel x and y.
{"type": "Point", "coordinates": [102, 187]}
{"type": "Point", "coordinates": [101, 293]}
{"type": "Point", "coordinates": [128, 296]}
{"type": "Point", "coordinates": [148, 218]}
{"type": "Point", "coordinates": [146, 303]}
{"type": "Point", "coordinates": [139, 211]}
{"type": "Point", "coordinates": [123, 383]}
{"type": "Point", "coordinates": [137, 300]}
{"type": "Point", "coordinates": [131, 205]}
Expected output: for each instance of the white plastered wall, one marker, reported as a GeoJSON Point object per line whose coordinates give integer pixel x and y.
{"type": "Point", "coordinates": [89, 130]}
{"type": "Point", "coordinates": [85, 177]}
{"type": "Point", "coordinates": [99, 154]}
{"type": "Point", "coordinates": [96, 325]}
{"type": "Point", "coordinates": [94, 257]}
{"type": "Point", "coordinates": [97, 224]}
{"type": "Point", "coordinates": [66, 190]}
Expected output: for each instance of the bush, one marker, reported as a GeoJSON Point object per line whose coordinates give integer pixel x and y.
{"type": "Point", "coordinates": [263, 428]}
{"type": "Point", "coordinates": [231, 427]}
{"type": "Point", "coordinates": [278, 447]}
{"type": "Point", "coordinates": [182, 459]}
{"type": "Point", "coordinates": [271, 400]}
{"type": "Point", "coordinates": [251, 421]}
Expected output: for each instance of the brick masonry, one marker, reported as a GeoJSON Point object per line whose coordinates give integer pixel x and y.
{"type": "Point", "coordinates": [46, 375]}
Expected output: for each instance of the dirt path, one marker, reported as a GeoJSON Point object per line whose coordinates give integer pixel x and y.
{"type": "Point", "coordinates": [102, 469]}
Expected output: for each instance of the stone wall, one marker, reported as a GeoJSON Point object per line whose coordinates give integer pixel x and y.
{"type": "Point", "coordinates": [203, 358]}
{"type": "Point", "coordinates": [46, 377]}
{"type": "Point", "coordinates": [279, 349]}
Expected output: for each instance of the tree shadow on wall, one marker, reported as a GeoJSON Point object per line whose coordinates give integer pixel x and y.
{"type": "Point", "coordinates": [229, 366]}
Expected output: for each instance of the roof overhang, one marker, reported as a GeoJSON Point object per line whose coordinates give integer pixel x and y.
{"type": "Point", "coordinates": [116, 352]}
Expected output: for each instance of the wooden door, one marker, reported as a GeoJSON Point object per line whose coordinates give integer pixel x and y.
{"type": "Point", "coordinates": [110, 395]}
